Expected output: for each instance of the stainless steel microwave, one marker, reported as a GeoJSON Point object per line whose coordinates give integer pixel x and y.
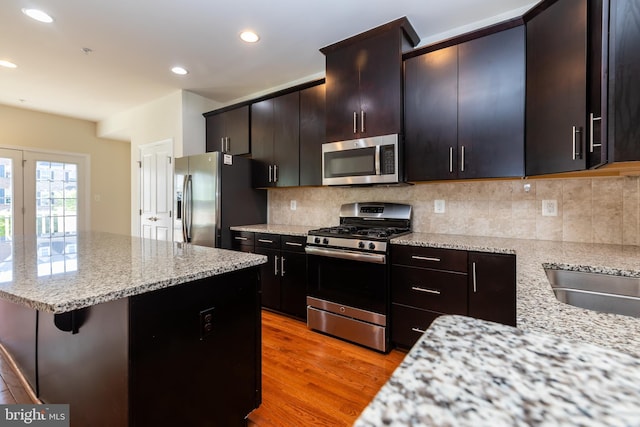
{"type": "Point", "coordinates": [361, 161]}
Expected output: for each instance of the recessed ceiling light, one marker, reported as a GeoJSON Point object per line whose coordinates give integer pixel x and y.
{"type": "Point", "coordinates": [179, 70]}
{"type": "Point", "coordinates": [249, 36]}
{"type": "Point", "coordinates": [38, 15]}
{"type": "Point", "coordinates": [7, 64]}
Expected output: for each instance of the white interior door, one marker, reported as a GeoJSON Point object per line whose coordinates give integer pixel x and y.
{"type": "Point", "coordinates": [156, 201]}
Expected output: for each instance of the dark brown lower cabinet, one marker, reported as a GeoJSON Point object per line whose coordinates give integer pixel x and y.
{"type": "Point", "coordinates": [429, 282]}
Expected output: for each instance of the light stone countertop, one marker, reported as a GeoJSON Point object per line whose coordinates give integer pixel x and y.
{"type": "Point", "coordinates": [287, 230]}
{"type": "Point", "coordinates": [469, 372]}
{"type": "Point", "coordinates": [107, 267]}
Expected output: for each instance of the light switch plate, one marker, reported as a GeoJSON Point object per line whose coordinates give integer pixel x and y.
{"type": "Point", "coordinates": [439, 206]}
{"type": "Point", "coordinates": [549, 208]}
{"type": "Point", "coordinates": [294, 205]}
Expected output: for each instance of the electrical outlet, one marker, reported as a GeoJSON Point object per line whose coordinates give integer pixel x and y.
{"type": "Point", "coordinates": [549, 208]}
{"type": "Point", "coordinates": [439, 206]}
{"type": "Point", "coordinates": [206, 322]}
{"type": "Point", "coordinates": [294, 205]}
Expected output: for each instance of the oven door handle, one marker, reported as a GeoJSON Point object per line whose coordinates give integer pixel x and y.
{"type": "Point", "coordinates": [350, 255]}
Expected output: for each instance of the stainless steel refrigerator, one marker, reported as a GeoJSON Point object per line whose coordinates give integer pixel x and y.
{"type": "Point", "coordinates": [213, 192]}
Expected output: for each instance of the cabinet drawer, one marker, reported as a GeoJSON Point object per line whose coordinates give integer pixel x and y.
{"type": "Point", "coordinates": [242, 238]}
{"type": "Point", "coordinates": [441, 259]}
{"type": "Point", "coordinates": [266, 240]}
{"type": "Point", "coordinates": [292, 243]}
{"type": "Point", "coordinates": [429, 289]}
{"type": "Point", "coordinates": [408, 324]}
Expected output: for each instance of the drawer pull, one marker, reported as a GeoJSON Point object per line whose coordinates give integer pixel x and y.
{"type": "Point", "coordinates": [422, 331]}
{"type": "Point", "coordinates": [425, 258]}
{"type": "Point", "coordinates": [265, 241]}
{"type": "Point", "coordinates": [293, 244]}
{"type": "Point", "coordinates": [429, 291]}
{"type": "Point", "coordinates": [240, 238]}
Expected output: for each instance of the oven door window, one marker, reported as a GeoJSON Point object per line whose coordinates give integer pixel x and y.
{"type": "Point", "coordinates": [354, 283]}
{"type": "Point", "coordinates": [358, 162]}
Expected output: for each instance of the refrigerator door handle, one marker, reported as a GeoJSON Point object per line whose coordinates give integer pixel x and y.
{"type": "Point", "coordinates": [186, 209]}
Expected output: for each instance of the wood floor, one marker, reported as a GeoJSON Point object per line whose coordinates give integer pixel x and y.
{"type": "Point", "coordinates": [308, 379]}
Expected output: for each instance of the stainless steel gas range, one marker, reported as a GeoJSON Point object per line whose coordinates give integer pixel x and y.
{"type": "Point", "coordinates": [348, 272]}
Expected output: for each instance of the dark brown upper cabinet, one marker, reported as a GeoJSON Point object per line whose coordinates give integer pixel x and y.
{"type": "Point", "coordinates": [275, 135]}
{"type": "Point", "coordinates": [564, 86]}
{"type": "Point", "coordinates": [364, 82]}
{"type": "Point", "coordinates": [464, 108]}
{"type": "Point", "coordinates": [228, 131]}
{"type": "Point", "coordinates": [312, 134]}
{"type": "Point", "coordinates": [624, 81]}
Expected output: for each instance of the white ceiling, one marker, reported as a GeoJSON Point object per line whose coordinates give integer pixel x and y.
{"type": "Point", "coordinates": [136, 42]}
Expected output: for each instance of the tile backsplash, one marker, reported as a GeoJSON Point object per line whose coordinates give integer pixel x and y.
{"type": "Point", "coordinates": [593, 210]}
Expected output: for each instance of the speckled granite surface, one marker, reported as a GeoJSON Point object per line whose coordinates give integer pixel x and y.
{"type": "Point", "coordinates": [537, 307]}
{"type": "Point", "coordinates": [289, 230]}
{"type": "Point", "coordinates": [468, 372]}
{"type": "Point", "coordinates": [108, 267]}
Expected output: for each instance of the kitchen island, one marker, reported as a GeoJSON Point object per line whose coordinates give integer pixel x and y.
{"type": "Point", "coordinates": [470, 372]}
{"type": "Point", "coordinates": [130, 331]}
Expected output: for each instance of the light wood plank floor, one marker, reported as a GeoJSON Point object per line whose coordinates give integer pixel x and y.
{"type": "Point", "coordinates": [309, 379]}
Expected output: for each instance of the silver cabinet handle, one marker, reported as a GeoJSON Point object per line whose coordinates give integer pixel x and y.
{"type": "Point", "coordinates": [473, 273]}
{"type": "Point", "coordinates": [282, 266]}
{"type": "Point", "coordinates": [355, 122]}
{"type": "Point", "coordinates": [362, 121]}
{"type": "Point", "coordinates": [275, 173]}
{"type": "Point", "coordinates": [293, 244]}
{"type": "Point", "coordinates": [425, 258]}
{"type": "Point", "coordinates": [270, 172]}
{"type": "Point", "coordinates": [429, 291]}
{"type": "Point", "coordinates": [422, 331]}
{"type": "Point", "coordinates": [450, 159]}
{"type": "Point", "coordinates": [265, 241]}
{"type": "Point", "coordinates": [592, 144]}
{"type": "Point", "coordinates": [275, 265]}
{"type": "Point", "coordinates": [240, 238]}
{"type": "Point", "coordinates": [222, 144]}
{"type": "Point", "coordinates": [576, 153]}
{"type": "Point", "coordinates": [462, 159]}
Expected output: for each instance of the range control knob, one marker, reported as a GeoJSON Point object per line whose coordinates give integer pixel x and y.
{"type": "Point", "coordinates": [316, 240]}
{"type": "Point", "coordinates": [325, 241]}
{"type": "Point", "coordinates": [372, 246]}
{"type": "Point", "coordinates": [361, 245]}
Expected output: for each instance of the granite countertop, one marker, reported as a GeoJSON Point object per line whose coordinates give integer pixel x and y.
{"type": "Point", "coordinates": [537, 308]}
{"type": "Point", "coordinates": [469, 372]}
{"type": "Point", "coordinates": [107, 267]}
{"type": "Point", "coordinates": [288, 230]}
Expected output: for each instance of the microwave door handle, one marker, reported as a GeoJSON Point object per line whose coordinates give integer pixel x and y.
{"type": "Point", "coordinates": [377, 160]}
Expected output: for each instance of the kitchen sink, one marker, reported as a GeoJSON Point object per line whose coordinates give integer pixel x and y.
{"type": "Point", "coordinates": [597, 291]}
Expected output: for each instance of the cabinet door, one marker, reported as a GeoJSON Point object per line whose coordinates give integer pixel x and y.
{"type": "Point", "coordinates": [293, 271]}
{"type": "Point", "coordinates": [409, 323]}
{"type": "Point", "coordinates": [286, 140]}
{"type": "Point", "coordinates": [270, 278]}
{"type": "Point", "coordinates": [624, 84]}
{"type": "Point", "coordinates": [431, 115]}
{"type": "Point", "coordinates": [556, 88]}
{"type": "Point", "coordinates": [262, 143]}
{"type": "Point", "coordinates": [379, 61]}
{"type": "Point", "coordinates": [215, 132]}
{"type": "Point", "coordinates": [491, 84]}
{"type": "Point", "coordinates": [237, 130]}
{"type": "Point", "coordinates": [342, 92]}
{"type": "Point", "coordinates": [312, 134]}
{"type": "Point", "coordinates": [492, 290]}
